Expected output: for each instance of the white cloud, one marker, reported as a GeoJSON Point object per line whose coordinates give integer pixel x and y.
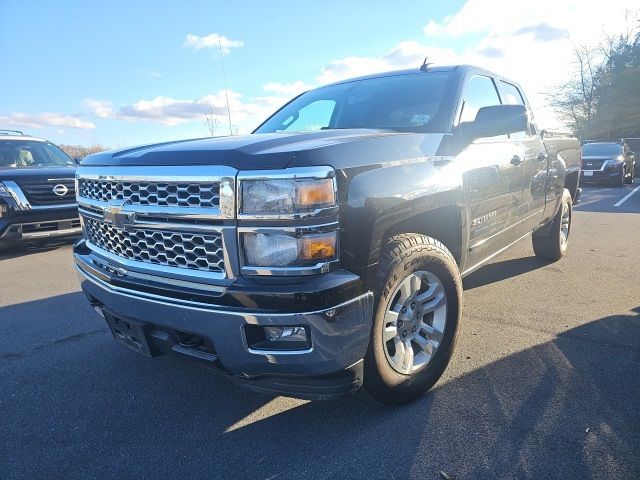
{"type": "Point", "coordinates": [171, 111]}
{"type": "Point", "coordinates": [572, 16]}
{"type": "Point", "coordinates": [433, 28]}
{"type": "Point", "coordinates": [407, 54]}
{"type": "Point", "coordinates": [213, 40]}
{"type": "Point", "coordinates": [40, 120]}
{"type": "Point", "coordinates": [100, 108]}
{"type": "Point", "coordinates": [530, 43]}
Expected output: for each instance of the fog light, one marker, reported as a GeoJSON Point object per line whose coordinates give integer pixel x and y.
{"type": "Point", "coordinates": [294, 337]}
{"type": "Point", "coordinates": [285, 334]}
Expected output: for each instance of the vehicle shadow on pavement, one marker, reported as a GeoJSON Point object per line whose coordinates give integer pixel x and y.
{"type": "Point", "coordinates": [502, 270]}
{"type": "Point", "coordinates": [20, 250]}
{"type": "Point", "coordinates": [88, 408]}
{"type": "Point", "coordinates": [554, 410]}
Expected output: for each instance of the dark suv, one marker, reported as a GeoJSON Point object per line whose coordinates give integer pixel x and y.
{"type": "Point", "coordinates": [607, 162]}
{"type": "Point", "coordinates": [37, 190]}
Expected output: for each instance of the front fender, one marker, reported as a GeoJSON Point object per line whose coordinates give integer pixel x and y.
{"type": "Point", "coordinates": [380, 198]}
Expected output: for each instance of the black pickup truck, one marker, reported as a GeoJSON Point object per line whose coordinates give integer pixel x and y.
{"type": "Point", "coordinates": [37, 190]}
{"type": "Point", "coordinates": [325, 251]}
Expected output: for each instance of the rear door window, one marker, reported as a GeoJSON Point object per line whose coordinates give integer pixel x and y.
{"type": "Point", "coordinates": [479, 92]}
{"type": "Point", "coordinates": [511, 96]}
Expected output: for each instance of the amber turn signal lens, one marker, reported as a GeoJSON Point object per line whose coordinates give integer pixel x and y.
{"type": "Point", "coordinates": [317, 247]}
{"type": "Point", "coordinates": [315, 193]}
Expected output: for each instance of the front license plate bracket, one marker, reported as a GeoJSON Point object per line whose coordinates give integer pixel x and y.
{"type": "Point", "coordinates": [131, 334]}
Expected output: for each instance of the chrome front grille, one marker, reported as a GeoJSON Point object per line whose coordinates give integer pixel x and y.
{"type": "Point", "coordinates": [198, 251]}
{"type": "Point", "coordinates": [163, 194]}
{"type": "Point", "coordinates": [168, 222]}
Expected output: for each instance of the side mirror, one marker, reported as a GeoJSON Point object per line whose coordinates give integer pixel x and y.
{"type": "Point", "coordinates": [499, 120]}
{"type": "Point", "coordinates": [77, 160]}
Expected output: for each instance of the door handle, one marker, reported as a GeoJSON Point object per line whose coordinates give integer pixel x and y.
{"type": "Point", "coordinates": [516, 160]}
{"type": "Point", "coordinates": [542, 156]}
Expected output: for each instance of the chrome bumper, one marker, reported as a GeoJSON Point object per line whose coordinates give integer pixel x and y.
{"type": "Point", "coordinates": [339, 334]}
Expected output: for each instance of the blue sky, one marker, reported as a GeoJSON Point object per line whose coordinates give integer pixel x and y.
{"type": "Point", "coordinates": [121, 73]}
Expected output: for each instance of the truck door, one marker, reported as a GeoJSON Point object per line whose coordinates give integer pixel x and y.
{"type": "Point", "coordinates": [534, 165]}
{"type": "Point", "coordinates": [492, 178]}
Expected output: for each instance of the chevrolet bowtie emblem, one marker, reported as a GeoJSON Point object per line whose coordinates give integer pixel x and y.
{"type": "Point", "coordinates": [114, 215]}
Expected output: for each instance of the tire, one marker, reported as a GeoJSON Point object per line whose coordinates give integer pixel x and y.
{"type": "Point", "coordinates": [432, 313]}
{"type": "Point", "coordinates": [621, 179]}
{"type": "Point", "coordinates": [553, 245]}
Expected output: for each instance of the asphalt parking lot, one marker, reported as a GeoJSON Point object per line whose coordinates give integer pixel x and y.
{"type": "Point", "coordinates": [544, 382]}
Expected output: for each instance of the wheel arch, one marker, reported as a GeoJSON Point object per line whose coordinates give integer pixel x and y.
{"type": "Point", "coordinates": [443, 224]}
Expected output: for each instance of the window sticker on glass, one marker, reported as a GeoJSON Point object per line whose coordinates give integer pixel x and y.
{"type": "Point", "coordinates": [420, 118]}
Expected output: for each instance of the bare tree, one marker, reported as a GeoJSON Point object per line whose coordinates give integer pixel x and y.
{"type": "Point", "coordinates": [211, 122]}
{"type": "Point", "coordinates": [80, 151]}
{"type": "Point", "coordinates": [602, 97]}
{"type": "Point", "coordinates": [575, 100]}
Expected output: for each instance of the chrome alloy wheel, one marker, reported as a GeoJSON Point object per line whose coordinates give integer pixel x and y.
{"type": "Point", "coordinates": [565, 224]}
{"type": "Point", "coordinates": [414, 323]}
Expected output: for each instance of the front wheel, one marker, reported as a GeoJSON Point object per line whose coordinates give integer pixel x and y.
{"type": "Point", "coordinates": [552, 245]}
{"type": "Point", "coordinates": [418, 306]}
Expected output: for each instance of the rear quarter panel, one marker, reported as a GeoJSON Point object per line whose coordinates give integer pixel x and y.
{"type": "Point", "coordinates": [564, 169]}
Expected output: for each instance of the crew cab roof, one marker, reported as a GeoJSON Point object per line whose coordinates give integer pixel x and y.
{"type": "Point", "coordinates": [462, 69]}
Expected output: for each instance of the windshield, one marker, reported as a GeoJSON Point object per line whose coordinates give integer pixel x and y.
{"type": "Point", "coordinates": [30, 153]}
{"type": "Point", "coordinates": [408, 102]}
{"type": "Point", "coordinates": [604, 149]}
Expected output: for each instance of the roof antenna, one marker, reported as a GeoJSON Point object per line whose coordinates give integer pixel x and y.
{"type": "Point", "coordinates": [226, 93]}
{"type": "Point", "coordinates": [425, 66]}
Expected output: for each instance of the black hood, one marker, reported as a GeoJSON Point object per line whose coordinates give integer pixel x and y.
{"type": "Point", "coordinates": [246, 152]}
{"type": "Point", "coordinates": [36, 173]}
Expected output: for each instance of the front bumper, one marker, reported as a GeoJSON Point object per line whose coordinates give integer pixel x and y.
{"type": "Point", "coordinates": [39, 225]}
{"type": "Point", "coordinates": [331, 367]}
{"type": "Point", "coordinates": [609, 174]}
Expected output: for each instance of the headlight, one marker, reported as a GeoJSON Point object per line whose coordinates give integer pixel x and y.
{"type": "Point", "coordinates": [287, 196]}
{"type": "Point", "coordinates": [289, 250]}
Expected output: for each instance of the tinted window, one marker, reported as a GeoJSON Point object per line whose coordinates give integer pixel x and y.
{"type": "Point", "coordinates": [511, 94]}
{"type": "Point", "coordinates": [314, 116]}
{"type": "Point", "coordinates": [29, 153]}
{"type": "Point", "coordinates": [608, 149]}
{"type": "Point", "coordinates": [478, 92]}
{"type": "Point", "coordinates": [403, 102]}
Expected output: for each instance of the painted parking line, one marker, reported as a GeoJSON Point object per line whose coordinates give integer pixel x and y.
{"type": "Point", "coordinates": [626, 197]}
